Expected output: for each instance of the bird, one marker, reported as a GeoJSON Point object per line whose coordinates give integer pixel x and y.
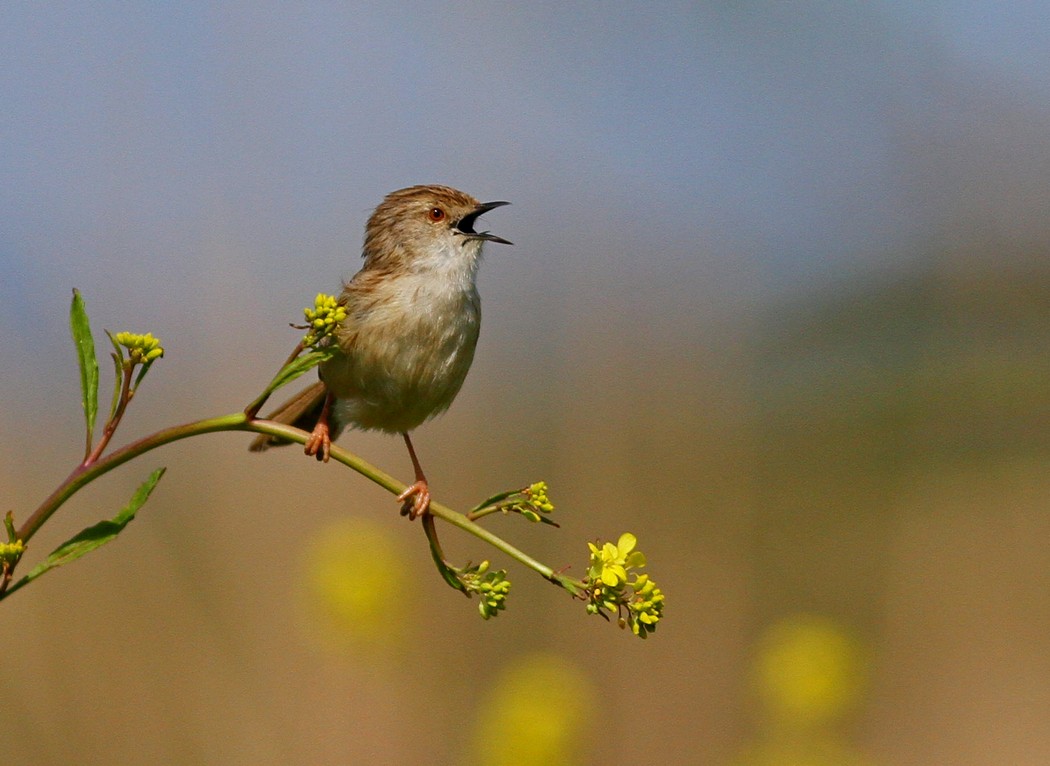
{"type": "Point", "coordinates": [413, 316]}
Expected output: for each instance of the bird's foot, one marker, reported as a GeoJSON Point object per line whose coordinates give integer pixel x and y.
{"type": "Point", "coordinates": [415, 501]}
{"type": "Point", "coordinates": [319, 445]}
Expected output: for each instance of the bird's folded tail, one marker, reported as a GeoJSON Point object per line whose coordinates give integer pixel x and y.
{"type": "Point", "coordinates": [301, 411]}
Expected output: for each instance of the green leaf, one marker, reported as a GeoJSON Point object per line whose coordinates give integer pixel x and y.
{"type": "Point", "coordinates": [298, 366]}
{"type": "Point", "coordinates": [85, 343]}
{"type": "Point", "coordinates": [498, 497]}
{"type": "Point", "coordinates": [446, 571]}
{"type": "Point", "coordinates": [94, 536]}
{"type": "Point", "coordinates": [118, 372]}
{"type": "Point", "coordinates": [142, 373]}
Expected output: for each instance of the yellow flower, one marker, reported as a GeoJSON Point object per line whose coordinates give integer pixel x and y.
{"type": "Point", "coordinates": [611, 562]}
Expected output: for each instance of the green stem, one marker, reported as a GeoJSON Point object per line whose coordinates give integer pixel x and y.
{"type": "Point", "coordinates": [84, 474]}
{"type": "Point", "coordinates": [480, 513]}
{"type": "Point", "coordinates": [570, 584]}
{"type": "Point", "coordinates": [253, 409]}
{"type": "Point", "coordinates": [444, 513]}
{"type": "Point", "coordinates": [461, 521]}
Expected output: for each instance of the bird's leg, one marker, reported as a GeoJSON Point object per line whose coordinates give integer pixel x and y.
{"type": "Point", "coordinates": [320, 442]}
{"type": "Point", "coordinates": [415, 500]}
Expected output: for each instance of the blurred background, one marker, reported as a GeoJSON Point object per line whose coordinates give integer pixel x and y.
{"type": "Point", "coordinates": [779, 305]}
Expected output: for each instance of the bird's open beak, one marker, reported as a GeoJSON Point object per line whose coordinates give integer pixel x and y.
{"type": "Point", "coordinates": [466, 223]}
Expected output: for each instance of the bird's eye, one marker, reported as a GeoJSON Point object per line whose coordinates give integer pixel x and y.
{"type": "Point", "coordinates": [436, 214]}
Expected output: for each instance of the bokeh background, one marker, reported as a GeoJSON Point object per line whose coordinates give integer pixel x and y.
{"type": "Point", "coordinates": [779, 304]}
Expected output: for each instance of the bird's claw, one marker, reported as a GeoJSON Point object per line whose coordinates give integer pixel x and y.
{"type": "Point", "coordinates": [415, 500]}
{"type": "Point", "coordinates": [319, 445]}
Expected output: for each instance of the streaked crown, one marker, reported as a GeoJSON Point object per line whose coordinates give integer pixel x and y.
{"type": "Point", "coordinates": [416, 219]}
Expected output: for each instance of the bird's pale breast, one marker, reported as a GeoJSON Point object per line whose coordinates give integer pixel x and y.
{"type": "Point", "coordinates": [407, 349]}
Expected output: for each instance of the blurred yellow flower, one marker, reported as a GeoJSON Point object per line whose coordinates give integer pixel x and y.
{"type": "Point", "coordinates": [808, 670]}
{"type": "Point", "coordinates": [536, 714]}
{"type": "Point", "coordinates": [356, 585]}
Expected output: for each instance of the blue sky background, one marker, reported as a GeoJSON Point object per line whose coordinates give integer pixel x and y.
{"type": "Point", "coordinates": [735, 145]}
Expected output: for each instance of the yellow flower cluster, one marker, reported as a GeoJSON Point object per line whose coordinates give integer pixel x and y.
{"type": "Point", "coordinates": [142, 349]}
{"type": "Point", "coordinates": [530, 503]}
{"type": "Point", "coordinates": [11, 552]}
{"type": "Point", "coordinates": [538, 499]}
{"type": "Point", "coordinates": [323, 318]}
{"type": "Point", "coordinates": [637, 602]}
{"type": "Point", "coordinates": [646, 606]}
{"type": "Point", "coordinates": [492, 587]}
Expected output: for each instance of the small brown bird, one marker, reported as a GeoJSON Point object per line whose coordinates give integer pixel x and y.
{"type": "Point", "coordinates": [413, 316]}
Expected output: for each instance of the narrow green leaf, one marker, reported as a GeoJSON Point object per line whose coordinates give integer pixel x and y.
{"type": "Point", "coordinates": [298, 366]}
{"type": "Point", "coordinates": [140, 497]}
{"type": "Point", "coordinates": [94, 536]}
{"type": "Point", "coordinates": [142, 373]}
{"type": "Point", "coordinates": [85, 343]}
{"type": "Point", "coordinates": [446, 571]}
{"type": "Point", "coordinates": [498, 497]}
{"type": "Point", "coordinates": [118, 372]}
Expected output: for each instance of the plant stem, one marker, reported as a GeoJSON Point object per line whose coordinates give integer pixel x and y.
{"type": "Point", "coordinates": [87, 472]}
{"type": "Point", "coordinates": [482, 512]}
{"type": "Point", "coordinates": [114, 420]}
{"type": "Point", "coordinates": [253, 409]}
{"type": "Point", "coordinates": [459, 520]}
